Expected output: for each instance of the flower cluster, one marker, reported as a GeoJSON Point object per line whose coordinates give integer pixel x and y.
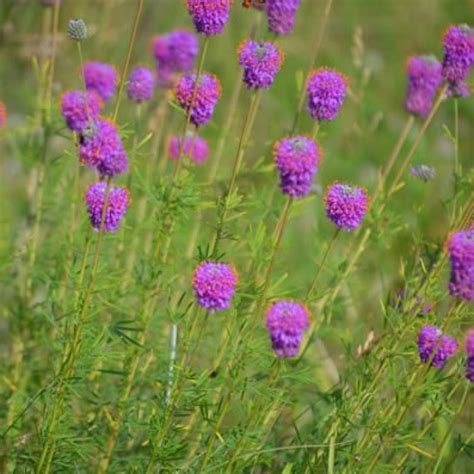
{"type": "Point", "coordinates": [205, 97]}
{"type": "Point", "coordinates": [117, 205]}
{"type": "Point", "coordinates": [286, 323]}
{"type": "Point", "coordinates": [424, 77]}
{"type": "Point", "coordinates": [194, 147]}
{"type": "Point", "coordinates": [80, 110]}
{"type": "Point", "coordinates": [346, 205]}
{"type": "Point", "coordinates": [101, 78]}
{"type": "Point", "coordinates": [431, 339]}
{"type": "Point", "coordinates": [174, 53]}
{"type": "Point", "coordinates": [461, 254]}
{"type": "Point", "coordinates": [326, 91]}
{"type": "Point", "coordinates": [214, 285]}
{"type": "Point", "coordinates": [3, 115]}
{"type": "Point", "coordinates": [261, 61]}
{"type": "Point", "coordinates": [281, 15]}
{"type": "Point", "coordinates": [469, 346]}
{"type": "Point", "coordinates": [101, 148]}
{"type": "Point", "coordinates": [458, 45]}
{"type": "Point", "coordinates": [297, 160]}
{"type": "Point", "coordinates": [141, 84]}
{"type": "Point", "coordinates": [209, 16]}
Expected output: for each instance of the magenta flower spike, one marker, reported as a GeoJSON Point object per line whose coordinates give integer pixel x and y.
{"type": "Point", "coordinates": [469, 346]}
{"type": "Point", "coordinates": [3, 115]}
{"type": "Point", "coordinates": [346, 205]}
{"type": "Point", "coordinates": [209, 16]}
{"type": "Point", "coordinates": [261, 61]}
{"type": "Point", "coordinates": [141, 85]}
{"type": "Point", "coordinates": [214, 285]}
{"type": "Point", "coordinates": [297, 159]}
{"type": "Point", "coordinates": [461, 255]}
{"type": "Point", "coordinates": [78, 110]}
{"type": "Point", "coordinates": [101, 78]}
{"type": "Point", "coordinates": [117, 205]}
{"type": "Point", "coordinates": [286, 323]}
{"type": "Point", "coordinates": [207, 95]}
{"type": "Point", "coordinates": [431, 337]}
{"type": "Point", "coordinates": [101, 148]}
{"type": "Point", "coordinates": [281, 15]}
{"type": "Point", "coordinates": [424, 78]}
{"type": "Point", "coordinates": [195, 148]}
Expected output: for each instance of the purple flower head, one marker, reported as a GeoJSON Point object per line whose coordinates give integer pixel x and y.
{"type": "Point", "coordinates": [3, 115]}
{"type": "Point", "coordinates": [174, 52]}
{"type": "Point", "coordinates": [209, 16]}
{"type": "Point", "coordinates": [117, 205]}
{"type": "Point", "coordinates": [261, 62]}
{"type": "Point", "coordinates": [214, 285]}
{"type": "Point", "coordinates": [458, 45]}
{"type": "Point", "coordinates": [102, 149]}
{"type": "Point", "coordinates": [286, 323]}
{"type": "Point", "coordinates": [461, 254]}
{"type": "Point", "coordinates": [297, 160]}
{"type": "Point", "coordinates": [195, 147]}
{"type": "Point", "coordinates": [101, 78]}
{"type": "Point", "coordinates": [346, 205]}
{"type": "Point", "coordinates": [424, 78]}
{"type": "Point", "coordinates": [207, 95]}
{"type": "Point", "coordinates": [78, 111]}
{"type": "Point", "coordinates": [281, 15]}
{"type": "Point", "coordinates": [458, 90]}
{"type": "Point", "coordinates": [429, 338]}
{"type": "Point", "coordinates": [141, 84]}
{"type": "Point", "coordinates": [469, 345]}
{"type": "Point", "coordinates": [326, 90]}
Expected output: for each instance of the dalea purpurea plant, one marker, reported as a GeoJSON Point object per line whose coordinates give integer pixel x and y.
{"type": "Point", "coordinates": [236, 240]}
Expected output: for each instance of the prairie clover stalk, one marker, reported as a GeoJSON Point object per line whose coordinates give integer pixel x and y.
{"type": "Point", "coordinates": [458, 46]}
{"type": "Point", "coordinates": [174, 53]}
{"type": "Point", "coordinates": [261, 61]}
{"type": "Point", "coordinates": [281, 15]}
{"type": "Point", "coordinates": [461, 254]}
{"type": "Point", "coordinates": [209, 16]}
{"type": "Point", "coordinates": [207, 95]}
{"type": "Point", "coordinates": [326, 90]}
{"type": "Point", "coordinates": [469, 346]}
{"type": "Point", "coordinates": [77, 29]}
{"type": "Point", "coordinates": [297, 159]}
{"type": "Point", "coordinates": [214, 285]}
{"type": "Point", "coordinates": [117, 205]}
{"type": "Point", "coordinates": [286, 323]}
{"type": "Point", "coordinates": [80, 110]}
{"type": "Point", "coordinates": [103, 150]}
{"type": "Point", "coordinates": [195, 148]}
{"type": "Point", "coordinates": [431, 338]}
{"type": "Point", "coordinates": [346, 205]}
{"type": "Point", "coordinates": [141, 85]}
{"type": "Point", "coordinates": [424, 78]}
{"type": "Point", "coordinates": [3, 115]}
{"type": "Point", "coordinates": [101, 78]}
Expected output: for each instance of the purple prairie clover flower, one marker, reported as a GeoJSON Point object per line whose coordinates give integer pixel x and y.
{"type": "Point", "coordinates": [103, 150]}
{"type": "Point", "coordinates": [431, 338]}
{"type": "Point", "coordinates": [207, 95]}
{"type": "Point", "coordinates": [261, 61]}
{"type": "Point", "coordinates": [141, 84]}
{"type": "Point", "coordinates": [459, 90]}
{"type": "Point", "coordinates": [117, 205]}
{"type": "Point", "coordinates": [281, 15]}
{"type": "Point", "coordinates": [458, 46]}
{"type": "Point", "coordinates": [101, 78]}
{"type": "Point", "coordinates": [424, 78]}
{"type": "Point", "coordinates": [176, 50]}
{"type": "Point", "coordinates": [346, 205]}
{"type": "Point", "coordinates": [3, 115]}
{"type": "Point", "coordinates": [195, 147]}
{"type": "Point", "coordinates": [469, 346]}
{"type": "Point", "coordinates": [461, 254]}
{"type": "Point", "coordinates": [79, 110]}
{"type": "Point", "coordinates": [326, 91]}
{"type": "Point", "coordinates": [286, 323]}
{"type": "Point", "coordinates": [209, 16]}
{"type": "Point", "coordinates": [297, 160]}
{"type": "Point", "coordinates": [214, 285]}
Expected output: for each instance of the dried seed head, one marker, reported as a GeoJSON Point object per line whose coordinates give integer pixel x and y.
{"type": "Point", "coordinates": [77, 29]}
